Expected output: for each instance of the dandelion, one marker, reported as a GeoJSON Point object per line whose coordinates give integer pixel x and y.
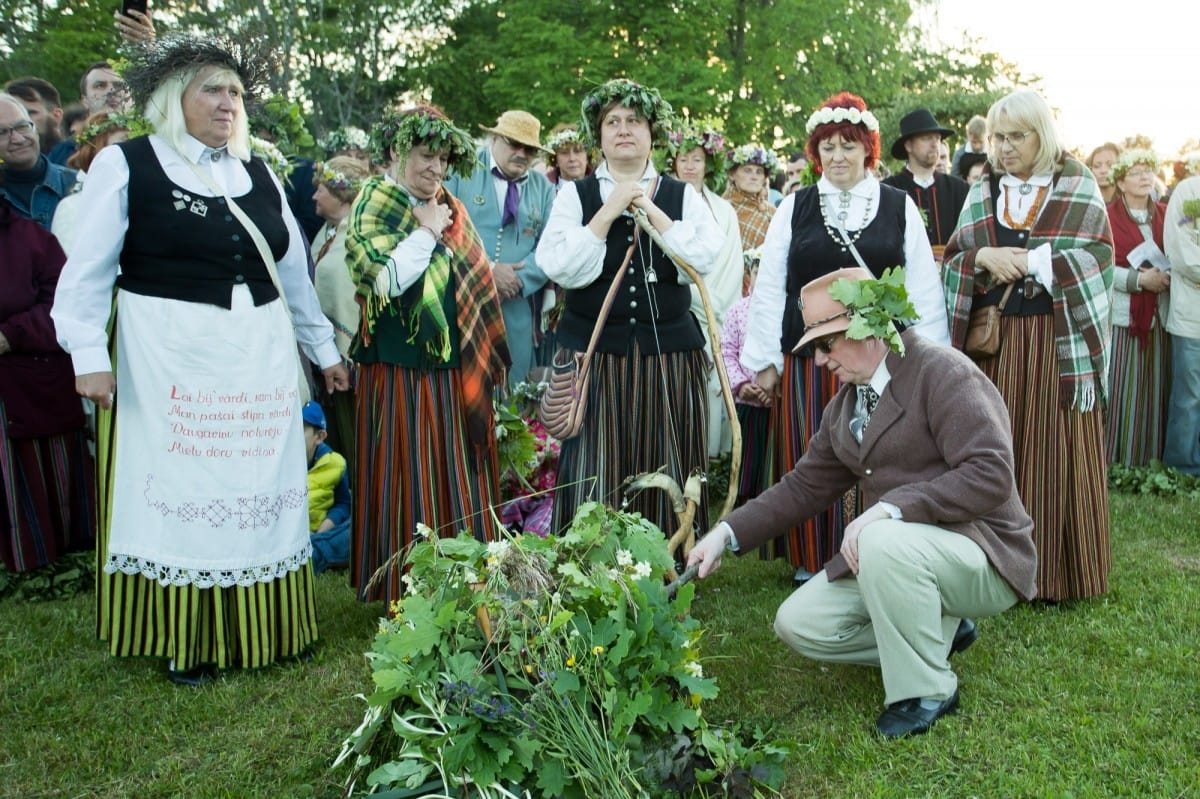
{"type": "Point", "coordinates": [597, 650]}
{"type": "Point", "coordinates": [570, 661]}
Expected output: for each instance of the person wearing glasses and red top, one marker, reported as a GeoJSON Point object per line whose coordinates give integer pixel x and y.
{"type": "Point", "coordinates": [1036, 221]}
{"type": "Point", "coordinates": [509, 203]}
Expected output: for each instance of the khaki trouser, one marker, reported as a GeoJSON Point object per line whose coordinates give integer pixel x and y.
{"type": "Point", "coordinates": [915, 583]}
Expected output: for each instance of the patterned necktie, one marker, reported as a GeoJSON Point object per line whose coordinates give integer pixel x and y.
{"type": "Point", "coordinates": [512, 197]}
{"type": "Point", "coordinates": [867, 400]}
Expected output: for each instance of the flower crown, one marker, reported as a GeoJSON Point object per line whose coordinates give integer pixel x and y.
{"type": "Point", "coordinates": [1130, 158]}
{"type": "Point", "coordinates": [405, 130]}
{"type": "Point", "coordinates": [334, 179]}
{"type": "Point", "coordinates": [752, 154]}
{"type": "Point", "coordinates": [643, 99]}
{"type": "Point", "coordinates": [346, 139]}
{"type": "Point", "coordinates": [689, 136]}
{"type": "Point", "coordinates": [564, 138]}
{"type": "Point", "coordinates": [273, 156]}
{"type": "Point", "coordinates": [136, 124]}
{"type": "Point", "coordinates": [874, 306]}
{"type": "Point", "coordinates": [827, 114]}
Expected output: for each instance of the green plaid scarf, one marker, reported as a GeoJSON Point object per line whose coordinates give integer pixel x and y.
{"type": "Point", "coordinates": [1075, 224]}
{"type": "Point", "coordinates": [380, 219]}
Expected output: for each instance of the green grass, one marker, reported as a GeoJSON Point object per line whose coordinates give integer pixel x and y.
{"type": "Point", "coordinates": [1085, 699]}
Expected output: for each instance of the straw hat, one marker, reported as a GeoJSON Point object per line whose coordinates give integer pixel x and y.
{"type": "Point", "coordinates": [520, 126]}
{"type": "Point", "coordinates": [823, 315]}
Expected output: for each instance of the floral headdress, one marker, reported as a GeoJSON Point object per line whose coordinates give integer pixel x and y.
{"type": "Point", "coordinates": [643, 99]}
{"type": "Point", "coordinates": [564, 138]}
{"type": "Point", "coordinates": [826, 114]}
{"type": "Point", "coordinates": [874, 306]}
{"type": "Point", "coordinates": [273, 156]}
{"type": "Point", "coordinates": [135, 124]}
{"type": "Point", "coordinates": [151, 63]}
{"type": "Point", "coordinates": [1191, 163]}
{"type": "Point", "coordinates": [1129, 159]}
{"type": "Point", "coordinates": [686, 136]}
{"type": "Point", "coordinates": [752, 154]}
{"type": "Point", "coordinates": [334, 179]}
{"type": "Point", "coordinates": [348, 138]}
{"type": "Point", "coordinates": [405, 130]}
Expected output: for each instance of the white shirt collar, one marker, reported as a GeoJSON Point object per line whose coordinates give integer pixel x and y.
{"type": "Point", "coordinates": [865, 188]}
{"type": "Point", "coordinates": [1035, 180]}
{"type": "Point", "coordinates": [198, 152]}
{"type": "Point", "coordinates": [602, 173]}
{"type": "Point", "coordinates": [881, 377]}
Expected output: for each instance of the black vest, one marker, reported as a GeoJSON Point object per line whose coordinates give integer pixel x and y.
{"type": "Point", "coordinates": [641, 308]}
{"type": "Point", "coordinates": [189, 247]}
{"type": "Point", "coordinates": [815, 252]}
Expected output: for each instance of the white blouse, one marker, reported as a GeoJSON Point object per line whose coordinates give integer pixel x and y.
{"type": "Point", "coordinates": [922, 278]}
{"type": "Point", "coordinates": [84, 295]}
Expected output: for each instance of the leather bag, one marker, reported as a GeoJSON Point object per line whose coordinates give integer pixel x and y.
{"type": "Point", "coordinates": [983, 329]}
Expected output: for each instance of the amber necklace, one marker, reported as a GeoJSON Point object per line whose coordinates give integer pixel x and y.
{"type": "Point", "coordinates": [1027, 222]}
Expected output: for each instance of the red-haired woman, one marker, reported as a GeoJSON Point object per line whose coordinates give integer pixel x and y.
{"type": "Point", "coordinates": [845, 219]}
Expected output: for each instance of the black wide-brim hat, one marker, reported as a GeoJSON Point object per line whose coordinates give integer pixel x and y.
{"type": "Point", "coordinates": [914, 123]}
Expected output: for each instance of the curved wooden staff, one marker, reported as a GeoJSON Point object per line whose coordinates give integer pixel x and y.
{"type": "Point", "coordinates": [714, 335]}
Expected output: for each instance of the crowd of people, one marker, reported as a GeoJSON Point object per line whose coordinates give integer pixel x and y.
{"type": "Point", "coordinates": [158, 266]}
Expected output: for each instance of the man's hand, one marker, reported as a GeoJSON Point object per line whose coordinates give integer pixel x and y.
{"type": "Point", "coordinates": [708, 551]}
{"type": "Point", "coordinates": [850, 540]}
{"type": "Point", "coordinates": [135, 27]}
{"type": "Point", "coordinates": [1154, 281]}
{"type": "Point", "coordinates": [508, 285]}
{"type": "Point", "coordinates": [337, 378]}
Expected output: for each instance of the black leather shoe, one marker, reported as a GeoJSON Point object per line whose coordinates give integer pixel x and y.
{"type": "Point", "coordinates": [964, 636]}
{"type": "Point", "coordinates": [909, 718]}
{"type": "Point", "coordinates": [192, 678]}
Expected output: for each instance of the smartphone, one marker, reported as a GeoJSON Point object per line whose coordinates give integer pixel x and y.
{"type": "Point", "coordinates": [135, 5]}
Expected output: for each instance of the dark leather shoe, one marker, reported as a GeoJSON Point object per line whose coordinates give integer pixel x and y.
{"type": "Point", "coordinates": [192, 678]}
{"type": "Point", "coordinates": [964, 636]}
{"type": "Point", "coordinates": [909, 718]}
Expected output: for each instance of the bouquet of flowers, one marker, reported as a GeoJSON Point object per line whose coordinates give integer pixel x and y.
{"type": "Point", "coordinates": [556, 667]}
{"type": "Point", "coordinates": [528, 461]}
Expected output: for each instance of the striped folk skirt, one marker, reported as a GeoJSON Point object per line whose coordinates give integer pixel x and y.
{"type": "Point", "coordinates": [45, 498]}
{"type": "Point", "coordinates": [758, 451]}
{"type": "Point", "coordinates": [807, 388]}
{"type": "Point", "coordinates": [414, 466]}
{"type": "Point", "coordinates": [1062, 476]}
{"type": "Point", "coordinates": [644, 412]}
{"type": "Point", "coordinates": [1139, 380]}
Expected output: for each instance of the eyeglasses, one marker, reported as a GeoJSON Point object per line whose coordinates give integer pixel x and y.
{"type": "Point", "coordinates": [516, 145]}
{"type": "Point", "coordinates": [1140, 173]}
{"type": "Point", "coordinates": [1016, 138]}
{"type": "Point", "coordinates": [825, 345]}
{"type": "Point", "coordinates": [24, 128]}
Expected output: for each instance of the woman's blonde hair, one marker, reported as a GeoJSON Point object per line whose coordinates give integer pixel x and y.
{"type": "Point", "coordinates": [164, 109]}
{"type": "Point", "coordinates": [1021, 111]}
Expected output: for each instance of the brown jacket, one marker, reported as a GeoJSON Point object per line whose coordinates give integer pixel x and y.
{"type": "Point", "coordinates": [939, 447]}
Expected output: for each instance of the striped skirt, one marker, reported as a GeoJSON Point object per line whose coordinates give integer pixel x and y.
{"type": "Point", "coordinates": [807, 388]}
{"type": "Point", "coordinates": [1139, 380]}
{"type": "Point", "coordinates": [758, 451]}
{"type": "Point", "coordinates": [45, 498]}
{"type": "Point", "coordinates": [644, 412]}
{"type": "Point", "coordinates": [1061, 471]}
{"type": "Point", "coordinates": [414, 466]}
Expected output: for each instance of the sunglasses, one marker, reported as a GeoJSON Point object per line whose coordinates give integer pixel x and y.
{"type": "Point", "coordinates": [516, 145]}
{"type": "Point", "coordinates": [825, 345]}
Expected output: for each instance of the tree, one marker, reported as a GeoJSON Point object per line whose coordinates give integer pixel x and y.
{"type": "Point", "coordinates": [55, 41]}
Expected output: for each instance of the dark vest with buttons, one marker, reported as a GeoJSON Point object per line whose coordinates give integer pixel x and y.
{"type": "Point", "coordinates": [641, 308]}
{"type": "Point", "coordinates": [815, 252]}
{"type": "Point", "coordinates": [184, 246]}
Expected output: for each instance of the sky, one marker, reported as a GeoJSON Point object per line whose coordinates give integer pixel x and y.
{"type": "Point", "coordinates": [1110, 70]}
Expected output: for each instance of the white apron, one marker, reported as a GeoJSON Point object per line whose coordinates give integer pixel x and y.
{"type": "Point", "coordinates": [210, 481]}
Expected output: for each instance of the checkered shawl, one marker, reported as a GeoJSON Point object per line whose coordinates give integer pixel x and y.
{"type": "Point", "coordinates": [1075, 224]}
{"type": "Point", "coordinates": [754, 216]}
{"type": "Point", "coordinates": [380, 219]}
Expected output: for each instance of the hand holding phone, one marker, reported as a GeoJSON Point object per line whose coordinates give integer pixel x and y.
{"type": "Point", "coordinates": [141, 6]}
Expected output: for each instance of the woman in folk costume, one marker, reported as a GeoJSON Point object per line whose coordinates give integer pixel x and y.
{"type": "Point", "coordinates": [1036, 221]}
{"type": "Point", "coordinates": [206, 562]}
{"type": "Point", "coordinates": [429, 351]}
{"type": "Point", "coordinates": [750, 169]}
{"type": "Point", "coordinates": [847, 214]}
{"type": "Point", "coordinates": [646, 404]}
{"type": "Point", "coordinates": [1140, 373]}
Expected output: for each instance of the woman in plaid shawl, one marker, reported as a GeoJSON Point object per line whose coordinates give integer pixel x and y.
{"type": "Point", "coordinates": [750, 169]}
{"type": "Point", "coordinates": [1037, 219]}
{"type": "Point", "coordinates": [430, 347]}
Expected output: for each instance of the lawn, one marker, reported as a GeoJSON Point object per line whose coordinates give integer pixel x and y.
{"type": "Point", "coordinates": [1087, 699]}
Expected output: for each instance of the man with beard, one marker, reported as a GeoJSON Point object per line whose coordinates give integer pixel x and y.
{"type": "Point", "coordinates": [938, 196]}
{"type": "Point", "coordinates": [509, 203]}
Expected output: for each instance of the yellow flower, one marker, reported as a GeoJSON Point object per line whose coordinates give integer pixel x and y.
{"type": "Point", "coordinates": [596, 650]}
{"type": "Point", "coordinates": [528, 669]}
{"type": "Point", "coordinates": [570, 661]}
